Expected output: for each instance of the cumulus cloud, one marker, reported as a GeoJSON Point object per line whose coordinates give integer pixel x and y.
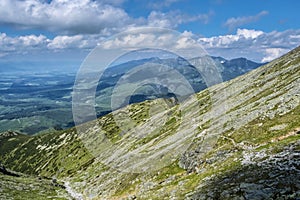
{"type": "Point", "coordinates": [21, 44]}
{"type": "Point", "coordinates": [86, 16]}
{"type": "Point", "coordinates": [253, 44]}
{"type": "Point", "coordinates": [40, 43]}
{"type": "Point", "coordinates": [33, 40]}
{"type": "Point", "coordinates": [153, 38]}
{"type": "Point", "coordinates": [241, 38]}
{"type": "Point", "coordinates": [76, 16]}
{"type": "Point", "coordinates": [249, 34]}
{"type": "Point", "coordinates": [272, 53]}
{"type": "Point", "coordinates": [63, 42]}
{"type": "Point", "coordinates": [235, 22]}
{"type": "Point", "coordinates": [141, 38]}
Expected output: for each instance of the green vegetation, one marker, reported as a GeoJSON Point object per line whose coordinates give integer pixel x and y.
{"type": "Point", "coordinates": [57, 154]}
{"type": "Point", "coordinates": [234, 145]}
{"type": "Point", "coordinates": [25, 187]}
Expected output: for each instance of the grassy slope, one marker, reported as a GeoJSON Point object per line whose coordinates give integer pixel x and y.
{"type": "Point", "coordinates": [253, 107]}
{"type": "Point", "coordinates": [27, 187]}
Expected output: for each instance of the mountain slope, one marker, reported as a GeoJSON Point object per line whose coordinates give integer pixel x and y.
{"type": "Point", "coordinates": [236, 67]}
{"type": "Point", "coordinates": [41, 102]}
{"type": "Point", "coordinates": [19, 186]}
{"type": "Point", "coordinates": [242, 135]}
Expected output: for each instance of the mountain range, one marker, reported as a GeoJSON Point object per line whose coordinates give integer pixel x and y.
{"type": "Point", "coordinates": [37, 103]}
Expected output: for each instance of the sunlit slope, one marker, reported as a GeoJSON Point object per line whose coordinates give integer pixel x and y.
{"type": "Point", "coordinates": [238, 139]}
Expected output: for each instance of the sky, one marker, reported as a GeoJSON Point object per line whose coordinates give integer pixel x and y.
{"type": "Point", "coordinates": [61, 33]}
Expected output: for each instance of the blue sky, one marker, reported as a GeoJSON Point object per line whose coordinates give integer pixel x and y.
{"type": "Point", "coordinates": [65, 31]}
{"type": "Point", "coordinates": [280, 15]}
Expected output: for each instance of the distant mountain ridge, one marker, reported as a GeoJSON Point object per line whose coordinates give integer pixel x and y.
{"type": "Point", "coordinates": [228, 70]}
{"type": "Point", "coordinates": [236, 66]}
{"type": "Point", "coordinates": [46, 95]}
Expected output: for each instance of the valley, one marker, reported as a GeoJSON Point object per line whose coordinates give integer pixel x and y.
{"type": "Point", "coordinates": [33, 103]}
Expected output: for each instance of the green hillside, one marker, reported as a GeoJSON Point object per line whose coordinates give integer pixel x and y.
{"type": "Point", "coordinates": [236, 140]}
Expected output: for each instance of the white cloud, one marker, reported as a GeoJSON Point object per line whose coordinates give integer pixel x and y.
{"type": "Point", "coordinates": [273, 53]}
{"type": "Point", "coordinates": [139, 39]}
{"type": "Point", "coordinates": [253, 44]}
{"type": "Point", "coordinates": [62, 42]}
{"type": "Point", "coordinates": [33, 40]}
{"type": "Point", "coordinates": [21, 44]}
{"type": "Point", "coordinates": [249, 33]}
{"type": "Point", "coordinates": [40, 43]}
{"type": "Point", "coordinates": [152, 38]}
{"type": "Point", "coordinates": [186, 42]}
{"type": "Point", "coordinates": [158, 19]}
{"type": "Point", "coordinates": [86, 16]}
{"type": "Point", "coordinates": [76, 16]}
{"type": "Point", "coordinates": [229, 41]}
{"type": "Point", "coordinates": [233, 22]}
